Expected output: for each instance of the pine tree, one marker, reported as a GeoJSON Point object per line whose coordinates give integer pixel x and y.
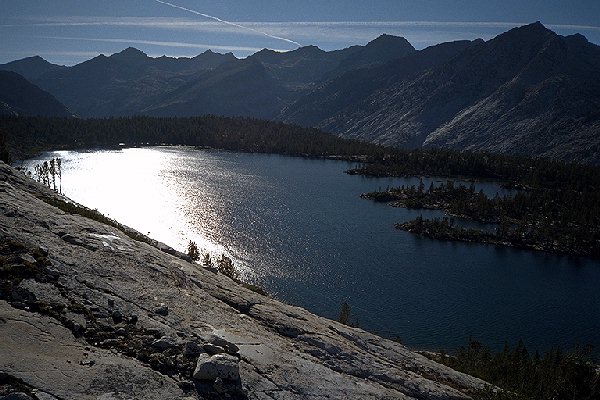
{"type": "Point", "coordinates": [192, 251]}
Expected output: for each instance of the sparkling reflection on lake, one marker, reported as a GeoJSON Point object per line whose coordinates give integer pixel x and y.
{"type": "Point", "coordinates": [298, 228]}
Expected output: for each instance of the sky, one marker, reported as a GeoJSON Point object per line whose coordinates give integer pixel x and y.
{"type": "Point", "coordinates": [71, 31]}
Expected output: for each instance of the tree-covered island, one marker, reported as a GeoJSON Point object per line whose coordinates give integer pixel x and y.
{"type": "Point", "coordinates": [562, 220]}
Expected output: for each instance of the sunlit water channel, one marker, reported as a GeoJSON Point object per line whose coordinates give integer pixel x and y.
{"type": "Point", "coordinates": [298, 228]}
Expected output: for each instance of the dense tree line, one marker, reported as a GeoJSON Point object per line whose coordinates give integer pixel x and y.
{"type": "Point", "coordinates": [566, 206]}
{"type": "Point", "coordinates": [557, 207]}
{"type": "Point", "coordinates": [5, 155]}
{"type": "Point", "coordinates": [28, 135]}
{"type": "Point", "coordinates": [557, 220]}
{"type": "Point", "coordinates": [522, 375]}
{"type": "Point", "coordinates": [514, 171]}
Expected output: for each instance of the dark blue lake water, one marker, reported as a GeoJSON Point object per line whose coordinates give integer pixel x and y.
{"type": "Point", "coordinates": [298, 228]}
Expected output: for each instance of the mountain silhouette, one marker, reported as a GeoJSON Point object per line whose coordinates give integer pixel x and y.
{"type": "Point", "coordinates": [526, 91]}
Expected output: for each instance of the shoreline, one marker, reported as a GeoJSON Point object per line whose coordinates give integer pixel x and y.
{"type": "Point", "coordinates": [89, 304]}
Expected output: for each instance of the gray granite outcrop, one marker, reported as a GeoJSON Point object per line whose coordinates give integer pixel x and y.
{"type": "Point", "coordinates": [88, 312]}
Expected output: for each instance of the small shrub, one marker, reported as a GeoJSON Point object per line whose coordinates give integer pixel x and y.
{"type": "Point", "coordinates": [192, 251]}
{"type": "Point", "coordinates": [344, 317]}
{"type": "Point", "coordinates": [206, 261]}
{"type": "Point", "coordinates": [255, 289]}
{"type": "Point", "coordinates": [225, 266]}
{"type": "Point", "coordinates": [4, 151]}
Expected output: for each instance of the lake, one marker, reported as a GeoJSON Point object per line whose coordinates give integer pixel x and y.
{"type": "Point", "coordinates": [298, 228]}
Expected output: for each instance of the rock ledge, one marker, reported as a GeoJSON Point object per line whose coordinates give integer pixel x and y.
{"type": "Point", "coordinates": [80, 319]}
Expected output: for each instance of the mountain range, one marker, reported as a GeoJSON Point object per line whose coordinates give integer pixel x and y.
{"type": "Point", "coordinates": [19, 97]}
{"type": "Point", "coordinates": [526, 91]}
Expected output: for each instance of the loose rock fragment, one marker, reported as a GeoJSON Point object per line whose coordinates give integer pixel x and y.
{"type": "Point", "coordinates": [213, 349]}
{"type": "Point", "coordinates": [165, 342]}
{"type": "Point", "coordinates": [162, 310]}
{"type": "Point", "coordinates": [117, 316]}
{"type": "Point", "coordinates": [231, 348]}
{"type": "Point", "coordinates": [222, 366]}
{"type": "Point", "coordinates": [192, 349]}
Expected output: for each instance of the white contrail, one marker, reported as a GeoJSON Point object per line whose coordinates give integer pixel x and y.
{"type": "Point", "coordinates": [228, 22]}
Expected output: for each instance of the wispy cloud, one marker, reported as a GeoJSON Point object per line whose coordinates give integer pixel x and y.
{"type": "Point", "coordinates": [204, 46]}
{"type": "Point", "coordinates": [81, 54]}
{"type": "Point", "coordinates": [58, 56]}
{"type": "Point", "coordinates": [325, 34]}
{"type": "Point", "coordinates": [222, 21]}
{"type": "Point", "coordinates": [251, 26]}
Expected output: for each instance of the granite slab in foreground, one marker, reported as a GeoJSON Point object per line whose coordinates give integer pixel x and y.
{"type": "Point", "coordinates": [87, 312]}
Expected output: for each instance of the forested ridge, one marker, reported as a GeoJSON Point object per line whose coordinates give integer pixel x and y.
{"type": "Point", "coordinates": [26, 136]}
{"type": "Point", "coordinates": [524, 375]}
{"type": "Point", "coordinates": [560, 220]}
{"type": "Point", "coordinates": [556, 207]}
{"type": "Point", "coordinates": [513, 171]}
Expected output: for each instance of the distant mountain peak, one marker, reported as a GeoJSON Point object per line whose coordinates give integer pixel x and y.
{"type": "Point", "coordinates": [264, 55]}
{"type": "Point", "coordinates": [533, 29]}
{"type": "Point", "coordinates": [30, 67]}
{"type": "Point", "coordinates": [130, 53]}
{"type": "Point", "coordinates": [385, 36]}
{"type": "Point", "coordinates": [132, 50]}
{"type": "Point", "coordinates": [310, 50]}
{"type": "Point", "coordinates": [390, 40]}
{"type": "Point", "coordinates": [537, 25]}
{"type": "Point", "coordinates": [264, 52]}
{"type": "Point", "coordinates": [33, 59]}
{"type": "Point", "coordinates": [530, 36]}
{"type": "Point", "coordinates": [578, 37]}
{"type": "Point", "coordinates": [21, 97]}
{"type": "Point", "coordinates": [310, 47]}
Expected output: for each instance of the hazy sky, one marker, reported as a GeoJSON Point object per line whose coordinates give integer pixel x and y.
{"type": "Point", "coordinates": [71, 31]}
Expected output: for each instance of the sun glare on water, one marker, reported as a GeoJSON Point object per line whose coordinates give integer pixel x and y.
{"type": "Point", "coordinates": [137, 188]}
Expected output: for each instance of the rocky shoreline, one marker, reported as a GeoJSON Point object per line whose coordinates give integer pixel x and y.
{"type": "Point", "coordinates": [89, 312]}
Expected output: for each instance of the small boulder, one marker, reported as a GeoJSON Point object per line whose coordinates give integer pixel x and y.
{"type": "Point", "coordinates": [27, 258]}
{"type": "Point", "coordinates": [229, 347]}
{"type": "Point", "coordinates": [165, 342]}
{"type": "Point", "coordinates": [22, 294]}
{"type": "Point", "coordinates": [213, 349]}
{"type": "Point", "coordinates": [192, 349]}
{"type": "Point", "coordinates": [77, 329]}
{"type": "Point", "coordinates": [117, 316]}
{"type": "Point", "coordinates": [162, 309]}
{"type": "Point", "coordinates": [224, 366]}
{"type": "Point", "coordinates": [43, 395]}
{"type": "Point", "coordinates": [51, 274]}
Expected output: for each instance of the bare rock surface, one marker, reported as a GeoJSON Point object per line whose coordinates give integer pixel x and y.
{"type": "Point", "coordinates": [78, 320]}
